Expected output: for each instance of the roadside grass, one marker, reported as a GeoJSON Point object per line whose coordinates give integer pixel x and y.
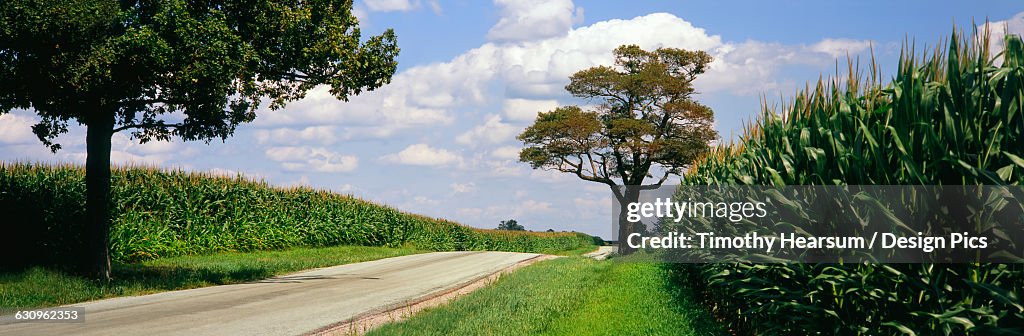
{"type": "Point", "coordinates": [570, 296]}
{"type": "Point", "coordinates": [41, 287]}
{"type": "Point", "coordinates": [574, 252]}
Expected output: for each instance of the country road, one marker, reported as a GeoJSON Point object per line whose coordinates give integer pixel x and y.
{"type": "Point", "coordinates": [287, 305]}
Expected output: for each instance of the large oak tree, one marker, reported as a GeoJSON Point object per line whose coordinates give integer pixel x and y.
{"type": "Point", "coordinates": [159, 69]}
{"type": "Point", "coordinates": [646, 122]}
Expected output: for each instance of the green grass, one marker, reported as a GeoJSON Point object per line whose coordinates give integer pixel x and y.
{"type": "Point", "coordinates": [40, 287]}
{"type": "Point", "coordinates": [569, 296]}
{"type": "Point", "coordinates": [575, 252]}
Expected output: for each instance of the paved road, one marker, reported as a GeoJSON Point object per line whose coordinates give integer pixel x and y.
{"type": "Point", "coordinates": [286, 305]}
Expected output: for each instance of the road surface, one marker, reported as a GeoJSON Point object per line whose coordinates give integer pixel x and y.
{"type": "Point", "coordinates": [287, 305]}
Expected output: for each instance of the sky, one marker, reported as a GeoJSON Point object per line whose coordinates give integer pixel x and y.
{"type": "Point", "coordinates": [440, 139]}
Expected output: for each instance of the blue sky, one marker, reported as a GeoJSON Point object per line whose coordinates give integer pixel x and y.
{"type": "Point", "coordinates": [440, 140]}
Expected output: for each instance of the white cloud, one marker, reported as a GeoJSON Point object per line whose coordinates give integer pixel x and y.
{"type": "Point", "coordinates": [322, 135]}
{"type": "Point", "coordinates": [594, 207]}
{"type": "Point", "coordinates": [391, 5]}
{"type": "Point", "coordinates": [840, 48]}
{"type": "Point", "coordinates": [540, 69]}
{"type": "Point", "coordinates": [534, 19]}
{"type": "Point", "coordinates": [491, 132]}
{"type": "Point", "coordinates": [752, 67]}
{"type": "Point", "coordinates": [474, 213]}
{"type": "Point", "coordinates": [360, 14]}
{"type": "Point", "coordinates": [551, 176]}
{"type": "Point", "coordinates": [999, 29]}
{"type": "Point", "coordinates": [533, 74]}
{"type": "Point", "coordinates": [347, 189]}
{"type": "Point", "coordinates": [423, 200]}
{"type": "Point", "coordinates": [598, 188]}
{"type": "Point", "coordinates": [527, 109]}
{"type": "Point", "coordinates": [375, 114]}
{"type": "Point", "coordinates": [532, 206]}
{"type": "Point", "coordinates": [125, 150]}
{"type": "Point", "coordinates": [303, 181]}
{"type": "Point", "coordinates": [435, 6]}
{"type": "Point", "coordinates": [506, 152]}
{"type": "Point", "coordinates": [20, 143]}
{"type": "Point", "coordinates": [515, 210]}
{"type": "Point", "coordinates": [503, 168]}
{"type": "Point", "coordinates": [397, 6]}
{"type": "Point", "coordinates": [423, 155]}
{"type": "Point", "coordinates": [463, 187]}
{"type": "Point", "coordinates": [315, 159]}
{"type": "Point", "coordinates": [16, 129]}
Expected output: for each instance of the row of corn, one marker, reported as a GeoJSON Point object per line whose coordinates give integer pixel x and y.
{"type": "Point", "coordinates": [949, 116]}
{"type": "Point", "coordinates": [159, 213]}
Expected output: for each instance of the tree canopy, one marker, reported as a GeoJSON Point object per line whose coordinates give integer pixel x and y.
{"type": "Point", "coordinates": [645, 121]}
{"type": "Point", "coordinates": [192, 69]}
{"type": "Point", "coordinates": [646, 117]}
{"type": "Point", "coordinates": [511, 225]}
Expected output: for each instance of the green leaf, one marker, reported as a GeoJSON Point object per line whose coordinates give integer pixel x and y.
{"type": "Point", "coordinates": [902, 328]}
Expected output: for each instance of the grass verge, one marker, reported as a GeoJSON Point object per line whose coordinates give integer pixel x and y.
{"type": "Point", "coordinates": [570, 296]}
{"type": "Point", "coordinates": [41, 287]}
{"type": "Point", "coordinates": [576, 251]}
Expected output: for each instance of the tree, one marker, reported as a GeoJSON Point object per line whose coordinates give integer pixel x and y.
{"type": "Point", "coordinates": [646, 121]}
{"type": "Point", "coordinates": [511, 225]}
{"type": "Point", "coordinates": [173, 68]}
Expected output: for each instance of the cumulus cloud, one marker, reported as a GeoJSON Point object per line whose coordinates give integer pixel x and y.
{"type": "Point", "coordinates": [551, 176]}
{"type": "Point", "coordinates": [390, 5]}
{"type": "Point", "coordinates": [125, 150]}
{"type": "Point", "coordinates": [400, 6]}
{"type": "Point", "coordinates": [312, 159]}
{"type": "Point", "coordinates": [594, 207]}
{"type": "Point", "coordinates": [506, 153]}
{"type": "Point", "coordinates": [463, 187]}
{"type": "Point", "coordinates": [526, 109]}
{"type": "Point", "coordinates": [491, 131]}
{"type": "Point", "coordinates": [523, 20]}
{"type": "Point", "coordinates": [751, 67]}
{"type": "Point", "coordinates": [535, 206]}
{"type": "Point", "coordinates": [999, 29]}
{"type": "Point", "coordinates": [375, 114]}
{"type": "Point", "coordinates": [473, 213]}
{"type": "Point", "coordinates": [322, 135]}
{"type": "Point", "coordinates": [837, 48]}
{"type": "Point", "coordinates": [423, 155]}
{"type": "Point", "coordinates": [529, 76]}
{"type": "Point", "coordinates": [347, 188]}
{"type": "Point", "coordinates": [510, 210]}
{"type": "Point", "coordinates": [16, 129]}
{"type": "Point", "coordinates": [502, 168]}
{"type": "Point", "coordinates": [20, 143]}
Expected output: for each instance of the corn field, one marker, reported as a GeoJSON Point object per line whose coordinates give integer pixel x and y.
{"type": "Point", "coordinates": [159, 213]}
{"type": "Point", "coordinates": [949, 116]}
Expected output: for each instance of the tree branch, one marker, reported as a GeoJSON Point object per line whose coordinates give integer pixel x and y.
{"type": "Point", "coordinates": [148, 125]}
{"type": "Point", "coordinates": [660, 181]}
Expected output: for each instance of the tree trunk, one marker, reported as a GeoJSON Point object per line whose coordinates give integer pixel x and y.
{"type": "Point", "coordinates": [631, 194]}
{"type": "Point", "coordinates": [97, 201]}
